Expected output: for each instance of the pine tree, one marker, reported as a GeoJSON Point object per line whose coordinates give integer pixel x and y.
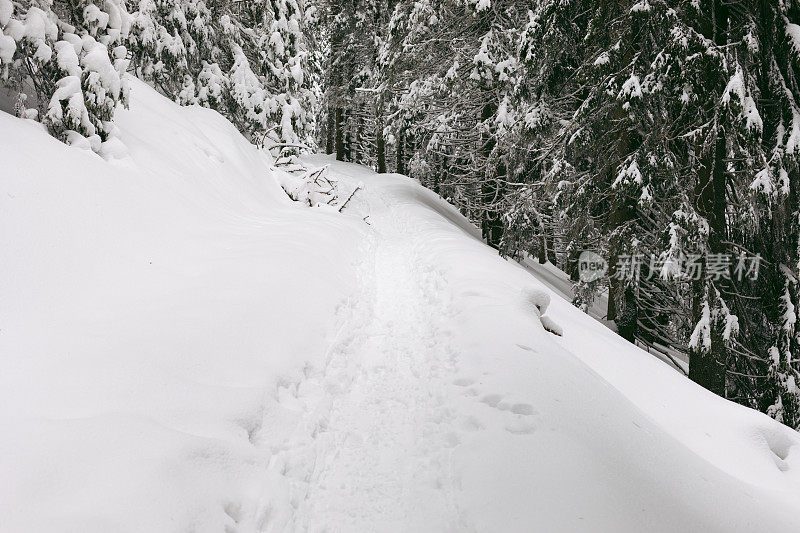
{"type": "Point", "coordinates": [68, 72]}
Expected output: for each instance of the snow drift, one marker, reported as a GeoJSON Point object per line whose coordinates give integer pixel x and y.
{"type": "Point", "coordinates": [184, 348]}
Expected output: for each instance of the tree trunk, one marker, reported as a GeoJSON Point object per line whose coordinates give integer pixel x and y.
{"type": "Point", "coordinates": [628, 317]}
{"type": "Point", "coordinates": [358, 155]}
{"type": "Point", "coordinates": [330, 131]}
{"type": "Point", "coordinates": [550, 247]}
{"type": "Point", "coordinates": [541, 255]}
{"type": "Point", "coordinates": [401, 152]}
{"type": "Point", "coordinates": [339, 134]}
{"type": "Point", "coordinates": [348, 135]}
{"type": "Point", "coordinates": [707, 367]}
{"type": "Point", "coordinates": [613, 290]}
{"type": "Point", "coordinates": [380, 142]}
{"type": "Point", "coordinates": [492, 223]}
{"type": "Point", "coordinates": [622, 302]}
{"type": "Point", "coordinates": [491, 188]}
{"type": "Point", "coordinates": [380, 146]}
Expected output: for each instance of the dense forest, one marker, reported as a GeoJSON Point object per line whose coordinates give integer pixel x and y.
{"type": "Point", "coordinates": [663, 135]}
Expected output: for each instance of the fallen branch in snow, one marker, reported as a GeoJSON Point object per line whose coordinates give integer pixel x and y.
{"type": "Point", "coordinates": [358, 188]}
{"type": "Point", "coordinates": [312, 188]}
{"type": "Point", "coordinates": [289, 145]}
{"type": "Point", "coordinates": [263, 140]}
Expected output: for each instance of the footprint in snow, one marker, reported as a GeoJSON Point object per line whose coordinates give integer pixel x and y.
{"type": "Point", "coordinates": [463, 382]}
{"type": "Point", "coordinates": [492, 399]}
{"type": "Point", "coordinates": [523, 409]}
{"type": "Point", "coordinates": [521, 427]}
{"type": "Point", "coordinates": [470, 423]}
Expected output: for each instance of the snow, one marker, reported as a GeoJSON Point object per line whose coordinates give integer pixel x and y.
{"type": "Point", "coordinates": [793, 33]}
{"type": "Point", "coordinates": [7, 48]}
{"type": "Point", "coordinates": [96, 60]}
{"type": "Point", "coordinates": [67, 58]}
{"type": "Point", "coordinates": [482, 5]}
{"type": "Point", "coordinates": [6, 10]}
{"type": "Point", "coordinates": [186, 348]}
{"type": "Point", "coordinates": [15, 29]}
{"type": "Point", "coordinates": [701, 336]}
{"type": "Point", "coordinates": [763, 182]}
{"type": "Point", "coordinates": [631, 88]}
{"type": "Point", "coordinates": [736, 86]}
{"type": "Point", "coordinates": [504, 118]}
{"type": "Point", "coordinates": [95, 18]}
{"type": "Point", "coordinates": [68, 89]}
{"type": "Point", "coordinates": [38, 26]}
{"type": "Point", "coordinates": [629, 174]}
{"type": "Point", "coordinates": [43, 52]}
{"type": "Point", "coordinates": [793, 142]}
{"type": "Point", "coordinates": [482, 59]}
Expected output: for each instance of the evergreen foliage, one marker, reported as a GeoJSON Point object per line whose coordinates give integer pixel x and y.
{"type": "Point", "coordinates": [663, 130]}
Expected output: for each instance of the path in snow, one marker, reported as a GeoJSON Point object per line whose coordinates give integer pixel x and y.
{"type": "Point", "coordinates": [373, 433]}
{"type": "Point", "coordinates": [390, 435]}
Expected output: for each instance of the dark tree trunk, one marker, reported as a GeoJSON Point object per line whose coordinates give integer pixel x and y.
{"type": "Point", "coordinates": [628, 317]}
{"type": "Point", "coordinates": [541, 255]}
{"type": "Point", "coordinates": [380, 146]}
{"type": "Point", "coordinates": [348, 135]}
{"type": "Point", "coordinates": [492, 223]}
{"type": "Point", "coordinates": [330, 132]}
{"type": "Point", "coordinates": [357, 150]}
{"type": "Point", "coordinates": [613, 290]}
{"type": "Point", "coordinates": [708, 367]}
{"type": "Point", "coordinates": [622, 301]}
{"type": "Point", "coordinates": [550, 247]}
{"type": "Point", "coordinates": [401, 152]}
{"type": "Point", "coordinates": [339, 134]}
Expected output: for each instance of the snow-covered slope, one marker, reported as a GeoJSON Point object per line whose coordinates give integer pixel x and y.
{"type": "Point", "coordinates": [183, 348]}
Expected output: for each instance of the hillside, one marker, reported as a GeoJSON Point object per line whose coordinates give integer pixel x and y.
{"type": "Point", "coordinates": [184, 348]}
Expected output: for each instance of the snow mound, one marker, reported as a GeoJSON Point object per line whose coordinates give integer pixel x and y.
{"type": "Point", "coordinates": [538, 298]}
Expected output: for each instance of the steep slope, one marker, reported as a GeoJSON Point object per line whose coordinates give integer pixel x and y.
{"type": "Point", "coordinates": [184, 348]}
{"type": "Point", "coordinates": [151, 305]}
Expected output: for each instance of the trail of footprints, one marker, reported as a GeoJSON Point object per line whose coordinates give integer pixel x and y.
{"type": "Point", "coordinates": [521, 418]}
{"type": "Point", "coordinates": [300, 456]}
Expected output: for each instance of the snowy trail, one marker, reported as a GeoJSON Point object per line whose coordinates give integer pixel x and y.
{"type": "Point", "coordinates": [376, 434]}
{"type": "Point", "coordinates": [389, 460]}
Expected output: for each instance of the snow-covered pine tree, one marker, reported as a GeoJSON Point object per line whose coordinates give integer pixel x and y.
{"type": "Point", "coordinates": [66, 61]}
{"type": "Point", "coordinates": [170, 42]}
{"type": "Point", "coordinates": [448, 68]}
{"type": "Point", "coordinates": [551, 48]}
{"type": "Point", "coordinates": [290, 103]}
{"type": "Point", "coordinates": [602, 96]}
{"type": "Point", "coordinates": [315, 35]}
{"type": "Point", "coordinates": [662, 129]}
{"type": "Point", "coordinates": [771, 318]}
{"type": "Point", "coordinates": [356, 89]}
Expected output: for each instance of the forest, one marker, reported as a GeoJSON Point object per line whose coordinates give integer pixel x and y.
{"type": "Point", "coordinates": [661, 135]}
